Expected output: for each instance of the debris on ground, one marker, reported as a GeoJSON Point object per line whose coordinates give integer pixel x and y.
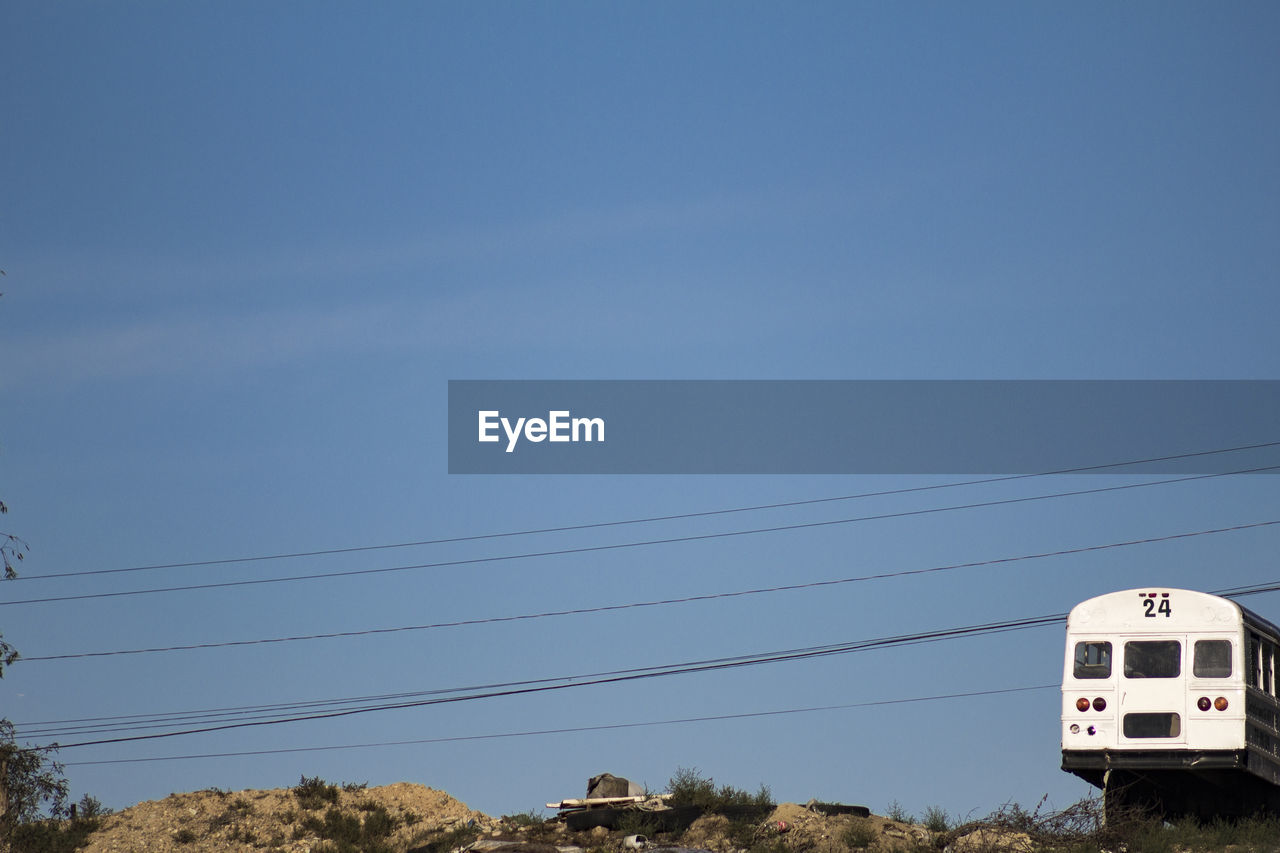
{"type": "Point", "coordinates": [316, 817]}
{"type": "Point", "coordinates": [611, 801]}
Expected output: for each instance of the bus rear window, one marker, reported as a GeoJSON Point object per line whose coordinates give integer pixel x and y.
{"type": "Point", "coordinates": [1093, 660]}
{"type": "Point", "coordinates": [1152, 659]}
{"type": "Point", "coordinates": [1212, 659]}
{"type": "Point", "coordinates": [1152, 725]}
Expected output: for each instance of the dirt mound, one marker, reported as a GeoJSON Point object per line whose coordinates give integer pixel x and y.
{"type": "Point", "coordinates": [405, 818]}
{"type": "Point", "coordinates": [802, 828]}
{"type": "Point", "coordinates": [400, 816]}
{"type": "Point", "coordinates": [788, 828]}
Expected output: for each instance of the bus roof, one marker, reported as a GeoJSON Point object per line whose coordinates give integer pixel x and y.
{"type": "Point", "coordinates": [1169, 609]}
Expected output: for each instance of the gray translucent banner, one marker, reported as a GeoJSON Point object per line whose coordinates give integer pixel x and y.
{"type": "Point", "coordinates": [861, 427]}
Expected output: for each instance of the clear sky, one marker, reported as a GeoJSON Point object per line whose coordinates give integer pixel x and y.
{"type": "Point", "coordinates": [247, 245]}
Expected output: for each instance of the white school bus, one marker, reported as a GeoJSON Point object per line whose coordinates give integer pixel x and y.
{"type": "Point", "coordinates": [1169, 703]}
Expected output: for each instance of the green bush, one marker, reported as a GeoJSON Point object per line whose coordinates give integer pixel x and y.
{"type": "Point", "coordinates": [637, 823]}
{"type": "Point", "coordinates": [936, 819]}
{"type": "Point", "coordinates": [242, 806]}
{"type": "Point", "coordinates": [442, 842]}
{"type": "Point", "coordinates": [340, 827]}
{"type": "Point", "coordinates": [1249, 834]}
{"type": "Point", "coordinates": [313, 793]}
{"type": "Point", "coordinates": [91, 807]}
{"type": "Point", "coordinates": [378, 823]}
{"type": "Point", "coordinates": [242, 833]}
{"type": "Point", "coordinates": [688, 787]}
{"type": "Point", "coordinates": [523, 820]}
{"type": "Point", "coordinates": [898, 813]}
{"type": "Point", "coordinates": [743, 834]}
{"type": "Point", "coordinates": [1080, 829]}
{"type": "Point", "coordinates": [51, 836]}
{"type": "Point", "coordinates": [860, 835]}
{"type": "Point", "coordinates": [340, 832]}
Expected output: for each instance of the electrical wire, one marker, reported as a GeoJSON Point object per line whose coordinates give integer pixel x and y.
{"type": "Point", "coordinates": [288, 712]}
{"type": "Point", "coordinates": [576, 729]}
{"type": "Point", "coordinates": [643, 520]}
{"type": "Point", "coordinates": [589, 680]}
{"type": "Point", "coordinates": [638, 544]}
{"type": "Point", "coordinates": [655, 603]}
{"type": "Point", "coordinates": [351, 706]}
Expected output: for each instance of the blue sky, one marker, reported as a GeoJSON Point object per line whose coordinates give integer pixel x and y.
{"type": "Point", "coordinates": [246, 247]}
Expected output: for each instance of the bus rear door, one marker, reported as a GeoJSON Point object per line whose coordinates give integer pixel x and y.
{"type": "Point", "coordinates": [1153, 691]}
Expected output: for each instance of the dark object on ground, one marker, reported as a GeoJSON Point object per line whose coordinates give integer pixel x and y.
{"type": "Point", "coordinates": [743, 812]}
{"type": "Point", "coordinates": [833, 809]}
{"type": "Point", "coordinates": [676, 819]}
{"type": "Point", "coordinates": [661, 820]}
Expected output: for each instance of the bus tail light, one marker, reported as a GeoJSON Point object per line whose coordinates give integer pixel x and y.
{"type": "Point", "coordinates": [1099, 704]}
{"type": "Point", "coordinates": [1082, 704]}
{"type": "Point", "coordinates": [1220, 703]}
{"type": "Point", "coordinates": [1203, 703]}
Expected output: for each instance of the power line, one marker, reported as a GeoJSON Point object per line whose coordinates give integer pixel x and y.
{"type": "Point", "coordinates": [360, 705]}
{"type": "Point", "coordinates": [643, 520]}
{"type": "Point", "coordinates": [1250, 589]}
{"type": "Point", "coordinates": [638, 544]}
{"type": "Point", "coordinates": [655, 603]}
{"type": "Point", "coordinates": [594, 679]}
{"type": "Point", "coordinates": [576, 729]}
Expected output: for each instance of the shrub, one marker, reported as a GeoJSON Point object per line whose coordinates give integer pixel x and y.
{"type": "Point", "coordinates": [441, 842]}
{"type": "Point", "coordinates": [378, 823]}
{"type": "Point", "coordinates": [936, 819]}
{"type": "Point", "coordinates": [898, 813]}
{"type": "Point", "coordinates": [742, 834]}
{"type": "Point", "coordinates": [1252, 834]}
{"type": "Point", "coordinates": [33, 783]}
{"type": "Point", "coordinates": [242, 833]}
{"type": "Point", "coordinates": [50, 836]}
{"type": "Point", "coordinates": [1080, 829]}
{"type": "Point", "coordinates": [637, 823]}
{"type": "Point", "coordinates": [523, 820]}
{"type": "Point", "coordinates": [310, 824]}
{"type": "Point", "coordinates": [340, 827]}
{"type": "Point", "coordinates": [860, 835]}
{"type": "Point", "coordinates": [90, 807]}
{"type": "Point", "coordinates": [340, 832]}
{"type": "Point", "coordinates": [688, 787]}
{"type": "Point", "coordinates": [314, 793]}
